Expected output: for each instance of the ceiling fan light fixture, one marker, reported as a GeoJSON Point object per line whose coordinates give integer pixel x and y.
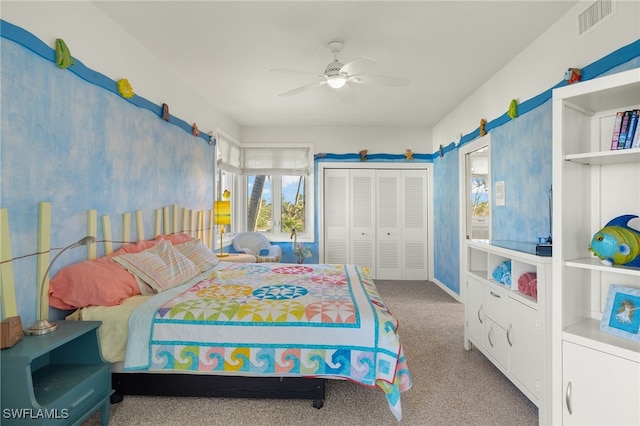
{"type": "Point", "coordinates": [336, 81]}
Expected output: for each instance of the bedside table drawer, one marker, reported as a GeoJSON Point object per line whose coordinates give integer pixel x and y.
{"type": "Point", "coordinates": [59, 378]}
{"type": "Point", "coordinates": [71, 387]}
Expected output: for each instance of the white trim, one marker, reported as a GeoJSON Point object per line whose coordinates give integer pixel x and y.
{"type": "Point", "coordinates": [322, 165]}
{"type": "Point", "coordinates": [447, 290]}
{"type": "Point", "coordinates": [462, 172]}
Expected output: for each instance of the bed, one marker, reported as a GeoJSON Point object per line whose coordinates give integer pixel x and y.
{"type": "Point", "coordinates": [240, 330]}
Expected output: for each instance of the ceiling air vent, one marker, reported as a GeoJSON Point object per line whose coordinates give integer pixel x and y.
{"type": "Point", "coordinates": [594, 15]}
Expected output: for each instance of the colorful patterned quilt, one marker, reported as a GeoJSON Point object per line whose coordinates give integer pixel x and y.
{"type": "Point", "coordinates": [277, 320]}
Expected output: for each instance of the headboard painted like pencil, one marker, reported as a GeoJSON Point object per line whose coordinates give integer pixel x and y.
{"type": "Point", "coordinates": [198, 223]}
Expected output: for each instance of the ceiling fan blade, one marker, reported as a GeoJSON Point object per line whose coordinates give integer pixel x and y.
{"type": "Point", "coordinates": [346, 94]}
{"type": "Point", "coordinates": [298, 72]}
{"type": "Point", "coordinates": [379, 80]}
{"type": "Point", "coordinates": [303, 88]}
{"type": "Point", "coordinates": [357, 66]}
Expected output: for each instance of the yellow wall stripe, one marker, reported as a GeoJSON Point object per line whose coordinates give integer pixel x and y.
{"type": "Point", "coordinates": [106, 233]}
{"type": "Point", "coordinates": [92, 230]}
{"type": "Point", "coordinates": [7, 289]}
{"type": "Point", "coordinates": [44, 246]}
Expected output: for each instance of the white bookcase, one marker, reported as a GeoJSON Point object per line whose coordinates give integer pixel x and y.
{"type": "Point", "coordinates": [595, 375]}
{"type": "Point", "coordinates": [510, 328]}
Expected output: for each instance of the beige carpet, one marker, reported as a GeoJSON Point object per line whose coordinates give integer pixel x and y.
{"type": "Point", "coordinates": [451, 386]}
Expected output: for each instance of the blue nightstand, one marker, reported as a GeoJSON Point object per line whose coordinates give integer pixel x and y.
{"type": "Point", "coordinates": [56, 379]}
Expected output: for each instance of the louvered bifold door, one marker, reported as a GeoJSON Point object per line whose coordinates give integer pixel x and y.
{"type": "Point", "coordinates": [414, 225]}
{"type": "Point", "coordinates": [336, 216]}
{"type": "Point", "coordinates": [362, 216]}
{"type": "Point", "coordinates": [389, 214]}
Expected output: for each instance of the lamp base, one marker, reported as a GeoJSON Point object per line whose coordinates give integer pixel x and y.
{"type": "Point", "coordinates": [222, 254]}
{"type": "Point", "coordinates": [41, 327]}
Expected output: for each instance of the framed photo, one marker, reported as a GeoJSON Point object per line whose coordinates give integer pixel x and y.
{"type": "Point", "coordinates": [621, 315]}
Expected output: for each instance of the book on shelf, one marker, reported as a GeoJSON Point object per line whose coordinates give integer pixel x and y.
{"type": "Point", "coordinates": [616, 130]}
{"type": "Point", "coordinates": [633, 129]}
{"type": "Point", "coordinates": [636, 138]}
{"type": "Point", "coordinates": [624, 128]}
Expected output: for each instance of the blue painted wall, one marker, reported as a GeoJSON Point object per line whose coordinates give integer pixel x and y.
{"type": "Point", "coordinates": [446, 229]}
{"type": "Point", "coordinates": [79, 146]}
{"type": "Point", "coordinates": [521, 157]}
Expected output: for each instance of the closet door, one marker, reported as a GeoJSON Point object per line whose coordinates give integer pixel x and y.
{"type": "Point", "coordinates": [336, 216]}
{"type": "Point", "coordinates": [362, 217]}
{"type": "Point", "coordinates": [389, 245]}
{"type": "Point", "coordinates": [414, 225]}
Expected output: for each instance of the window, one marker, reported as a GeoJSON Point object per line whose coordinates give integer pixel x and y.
{"type": "Point", "coordinates": [279, 183]}
{"type": "Point", "coordinates": [277, 204]}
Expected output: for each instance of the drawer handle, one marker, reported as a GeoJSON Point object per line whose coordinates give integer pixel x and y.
{"type": "Point", "coordinates": [489, 336]}
{"type": "Point", "coordinates": [509, 334]}
{"type": "Point", "coordinates": [479, 317]}
{"type": "Point", "coordinates": [85, 396]}
{"type": "Point", "coordinates": [568, 398]}
{"type": "Point", "coordinates": [494, 294]}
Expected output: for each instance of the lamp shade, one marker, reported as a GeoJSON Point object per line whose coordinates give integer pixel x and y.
{"type": "Point", "coordinates": [222, 212]}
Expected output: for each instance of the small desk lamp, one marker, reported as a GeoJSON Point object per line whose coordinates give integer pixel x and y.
{"type": "Point", "coordinates": [222, 216]}
{"type": "Point", "coordinates": [42, 325]}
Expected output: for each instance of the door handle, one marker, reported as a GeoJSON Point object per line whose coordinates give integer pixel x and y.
{"type": "Point", "coordinates": [567, 398]}
{"type": "Point", "coordinates": [479, 317]}
{"type": "Point", "coordinates": [509, 334]}
{"type": "Point", "coordinates": [489, 336]}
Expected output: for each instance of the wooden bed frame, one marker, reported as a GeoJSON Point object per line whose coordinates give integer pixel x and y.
{"type": "Point", "coordinates": [206, 385]}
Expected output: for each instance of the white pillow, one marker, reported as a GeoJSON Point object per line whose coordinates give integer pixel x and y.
{"type": "Point", "coordinates": [198, 253]}
{"type": "Point", "coordinates": [162, 266]}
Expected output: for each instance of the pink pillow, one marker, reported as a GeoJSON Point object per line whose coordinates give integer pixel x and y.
{"type": "Point", "coordinates": [147, 244]}
{"type": "Point", "coordinates": [98, 282]}
{"type": "Point", "coordinates": [177, 238]}
{"type": "Point", "coordinates": [139, 246]}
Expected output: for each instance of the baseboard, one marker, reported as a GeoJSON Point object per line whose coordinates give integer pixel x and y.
{"type": "Point", "coordinates": [447, 290]}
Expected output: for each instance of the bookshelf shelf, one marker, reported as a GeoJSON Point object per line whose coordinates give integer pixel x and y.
{"type": "Point", "coordinates": [595, 265]}
{"type": "Point", "coordinates": [625, 156]}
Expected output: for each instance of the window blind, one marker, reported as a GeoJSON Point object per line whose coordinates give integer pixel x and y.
{"type": "Point", "coordinates": [286, 161]}
{"type": "Point", "coordinates": [228, 155]}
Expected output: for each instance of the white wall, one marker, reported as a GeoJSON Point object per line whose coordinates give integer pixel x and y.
{"type": "Point", "coordinates": [103, 46]}
{"type": "Point", "coordinates": [340, 140]}
{"type": "Point", "coordinates": [541, 66]}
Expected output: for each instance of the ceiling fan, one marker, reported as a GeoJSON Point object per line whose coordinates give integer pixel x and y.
{"type": "Point", "coordinates": [339, 76]}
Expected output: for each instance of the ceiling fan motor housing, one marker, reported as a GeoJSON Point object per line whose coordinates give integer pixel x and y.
{"type": "Point", "coordinates": [333, 68]}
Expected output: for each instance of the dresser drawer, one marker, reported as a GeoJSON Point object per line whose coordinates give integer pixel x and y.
{"type": "Point", "coordinates": [496, 305]}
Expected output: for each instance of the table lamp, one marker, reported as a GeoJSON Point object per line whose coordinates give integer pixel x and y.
{"type": "Point", "coordinates": [42, 325]}
{"type": "Point", "coordinates": [222, 217]}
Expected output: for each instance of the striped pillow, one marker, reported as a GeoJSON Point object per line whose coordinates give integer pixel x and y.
{"type": "Point", "coordinates": [162, 266]}
{"type": "Point", "coordinates": [198, 253]}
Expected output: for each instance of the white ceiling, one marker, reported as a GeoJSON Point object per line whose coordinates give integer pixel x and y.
{"type": "Point", "coordinates": [226, 49]}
